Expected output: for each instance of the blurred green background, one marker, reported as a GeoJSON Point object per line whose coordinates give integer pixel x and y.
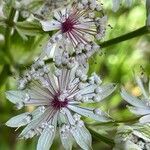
{"type": "Point", "coordinates": [115, 64]}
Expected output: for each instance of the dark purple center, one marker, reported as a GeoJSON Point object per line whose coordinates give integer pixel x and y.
{"type": "Point", "coordinates": [67, 26]}
{"type": "Point", "coordinates": [57, 103]}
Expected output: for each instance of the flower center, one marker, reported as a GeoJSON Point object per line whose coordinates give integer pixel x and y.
{"type": "Point", "coordinates": [58, 103]}
{"type": "Point", "coordinates": [67, 26]}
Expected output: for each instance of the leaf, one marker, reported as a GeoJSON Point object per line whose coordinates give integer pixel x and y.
{"type": "Point", "coordinates": [29, 28]}
{"type": "Point", "coordinates": [4, 74]}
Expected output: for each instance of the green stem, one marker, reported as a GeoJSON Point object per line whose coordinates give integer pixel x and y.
{"type": "Point", "coordinates": [101, 137]}
{"type": "Point", "coordinates": [8, 33]}
{"type": "Point", "coordinates": [133, 120]}
{"type": "Point", "coordinates": [138, 32]}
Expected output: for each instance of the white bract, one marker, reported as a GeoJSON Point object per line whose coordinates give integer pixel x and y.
{"type": "Point", "coordinates": [78, 25]}
{"type": "Point", "coordinates": [117, 3]}
{"type": "Point", "coordinates": [140, 106]}
{"type": "Point", "coordinates": [42, 9]}
{"type": "Point", "coordinates": [58, 90]}
{"type": "Point", "coordinates": [132, 137]}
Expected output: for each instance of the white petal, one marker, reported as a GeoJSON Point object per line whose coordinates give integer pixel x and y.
{"type": "Point", "coordinates": [18, 121]}
{"type": "Point", "coordinates": [145, 119]}
{"type": "Point", "coordinates": [139, 111]}
{"type": "Point", "coordinates": [106, 90]}
{"type": "Point", "coordinates": [67, 140]}
{"type": "Point", "coordinates": [50, 25]}
{"type": "Point", "coordinates": [15, 96]}
{"type": "Point", "coordinates": [116, 5]}
{"type": "Point", "coordinates": [46, 139]}
{"type": "Point", "coordinates": [36, 121]}
{"type": "Point", "coordinates": [103, 117]}
{"type": "Point", "coordinates": [140, 84]}
{"type": "Point", "coordinates": [82, 137]}
{"type": "Point", "coordinates": [132, 100]}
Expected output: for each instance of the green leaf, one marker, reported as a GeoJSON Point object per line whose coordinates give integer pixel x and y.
{"type": "Point", "coordinates": [29, 28]}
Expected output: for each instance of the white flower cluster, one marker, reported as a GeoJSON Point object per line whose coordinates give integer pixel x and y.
{"type": "Point", "coordinates": [77, 27]}
{"type": "Point", "coordinates": [132, 138]}
{"type": "Point", "coordinates": [140, 106]}
{"type": "Point", "coordinates": [58, 90]}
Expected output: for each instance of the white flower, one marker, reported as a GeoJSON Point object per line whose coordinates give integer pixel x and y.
{"type": "Point", "coordinates": [78, 25]}
{"type": "Point", "coordinates": [58, 92]}
{"type": "Point", "coordinates": [134, 137]}
{"type": "Point", "coordinates": [117, 3]}
{"type": "Point", "coordinates": [42, 9]}
{"type": "Point", "coordinates": [140, 106]}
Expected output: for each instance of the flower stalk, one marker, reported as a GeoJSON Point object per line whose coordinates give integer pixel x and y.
{"type": "Point", "coordinates": [138, 32]}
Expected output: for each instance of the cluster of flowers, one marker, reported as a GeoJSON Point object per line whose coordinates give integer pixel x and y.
{"type": "Point", "coordinates": [59, 90]}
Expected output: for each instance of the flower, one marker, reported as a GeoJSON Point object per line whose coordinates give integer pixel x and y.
{"type": "Point", "coordinates": [117, 3]}
{"type": "Point", "coordinates": [58, 91]}
{"type": "Point", "coordinates": [77, 25]}
{"type": "Point", "coordinates": [140, 106]}
{"type": "Point", "coordinates": [41, 9]}
{"type": "Point", "coordinates": [132, 137]}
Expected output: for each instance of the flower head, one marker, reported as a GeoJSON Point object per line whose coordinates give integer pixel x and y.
{"type": "Point", "coordinates": [132, 137]}
{"type": "Point", "coordinates": [58, 91]}
{"type": "Point", "coordinates": [39, 8]}
{"type": "Point", "coordinates": [140, 106]}
{"type": "Point", "coordinates": [78, 25]}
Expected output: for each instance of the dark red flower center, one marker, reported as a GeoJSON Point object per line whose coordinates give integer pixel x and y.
{"type": "Point", "coordinates": [57, 103]}
{"type": "Point", "coordinates": [67, 26]}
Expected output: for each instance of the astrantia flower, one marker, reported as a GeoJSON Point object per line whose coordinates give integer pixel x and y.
{"type": "Point", "coordinates": [78, 25]}
{"type": "Point", "coordinates": [58, 92]}
{"type": "Point", "coordinates": [134, 137]}
{"type": "Point", "coordinates": [140, 106]}
{"type": "Point", "coordinates": [40, 8]}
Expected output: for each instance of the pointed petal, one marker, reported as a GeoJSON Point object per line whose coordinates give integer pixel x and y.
{"type": "Point", "coordinates": [36, 121]}
{"type": "Point", "coordinates": [140, 84]}
{"type": "Point", "coordinates": [15, 96]}
{"type": "Point", "coordinates": [106, 90]}
{"type": "Point", "coordinates": [103, 117]}
{"type": "Point", "coordinates": [82, 137]}
{"type": "Point", "coordinates": [19, 120]}
{"type": "Point", "coordinates": [139, 111]}
{"type": "Point", "coordinates": [46, 139]}
{"type": "Point", "coordinates": [132, 100]}
{"type": "Point", "coordinates": [67, 140]}
{"type": "Point", "coordinates": [50, 25]}
{"type": "Point", "coordinates": [145, 119]}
